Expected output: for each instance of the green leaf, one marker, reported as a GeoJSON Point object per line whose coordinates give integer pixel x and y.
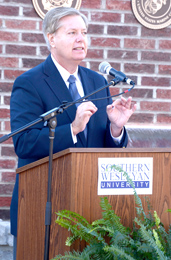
{"type": "Point", "coordinates": [157, 219]}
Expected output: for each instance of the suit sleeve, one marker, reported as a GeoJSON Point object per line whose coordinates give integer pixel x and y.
{"type": "Point", "coordinates": [26, 106]}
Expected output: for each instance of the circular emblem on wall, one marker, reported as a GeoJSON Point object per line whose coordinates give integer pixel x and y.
{"type": "Point", "coordinates": [153, 14]}
{"type": "Point", "coordinates": [43, 6]}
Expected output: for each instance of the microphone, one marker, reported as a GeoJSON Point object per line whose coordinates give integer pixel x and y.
{"type": "Point", "coordinates": [106, 68]}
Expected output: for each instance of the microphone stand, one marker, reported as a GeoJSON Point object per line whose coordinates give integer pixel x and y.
{"type": "Point", "coordinates": [51, 118]}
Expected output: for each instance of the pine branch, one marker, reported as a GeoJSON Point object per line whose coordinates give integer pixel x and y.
{"type": "Point", "coordinates": [78, 225]}
{"type": "Point", "coordinates": [71, 256]}
{"type": "Point", "coordinates": [111, 220]}
{"type": "Point", "coordinates": [119, 252]}
{"type": "Point", "coordinates": [147, 236]}
{"type": "Point", "coordinates": [139, 209]}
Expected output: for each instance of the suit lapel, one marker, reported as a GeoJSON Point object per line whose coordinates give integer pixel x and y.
{"type": "Point", "coordinates": [87, 82]}
{"type": "Point", "coordinates": [88, 86]}
{"type": "Point", "coordinates": [58, 86]}
{"type": "Point", "coordinates": [60, 90]}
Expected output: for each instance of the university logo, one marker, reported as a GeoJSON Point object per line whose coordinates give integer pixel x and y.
{"type": "Point", "coordinates": [111, 181]}
{"type": "Point", "coordinates": [43, 6]}
{"type": "Point", "coordinates": [153, 14]}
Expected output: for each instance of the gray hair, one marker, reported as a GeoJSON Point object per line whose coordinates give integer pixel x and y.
{"type": "Point", "coordinates": [51, 22]}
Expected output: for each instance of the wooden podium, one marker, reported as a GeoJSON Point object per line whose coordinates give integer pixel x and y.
{"type": "Point", "coordinates": [74, 187]}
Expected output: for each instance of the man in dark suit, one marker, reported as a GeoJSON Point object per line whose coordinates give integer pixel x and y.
{"type": "Point", "coordinates": [46, 87]}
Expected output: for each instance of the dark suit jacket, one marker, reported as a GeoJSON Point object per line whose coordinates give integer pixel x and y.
{"type": "Point", "coordinates": [40, 90]}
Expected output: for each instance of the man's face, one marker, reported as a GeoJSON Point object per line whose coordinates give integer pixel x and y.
{"type": "Point", "coordinates": [69, 43]}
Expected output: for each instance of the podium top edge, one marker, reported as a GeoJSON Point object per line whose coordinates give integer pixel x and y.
{"type": "Point", "coordinates": [93, 150]}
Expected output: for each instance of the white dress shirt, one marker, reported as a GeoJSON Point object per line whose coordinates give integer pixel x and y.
{"type": "Point", "coordinates": [65, 75]}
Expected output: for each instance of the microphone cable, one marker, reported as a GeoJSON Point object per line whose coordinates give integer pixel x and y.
{"type": "Point", "coordinates": [85, 98]}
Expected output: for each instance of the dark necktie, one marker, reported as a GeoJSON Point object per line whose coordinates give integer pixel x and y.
{"type": "Point", "coordinates": [75, 95]}
{"type": "Point", "coordinates": [73, 89]}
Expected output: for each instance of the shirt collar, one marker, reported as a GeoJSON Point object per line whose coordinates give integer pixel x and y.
{"type": "Point", "coordinates": [64, 73]}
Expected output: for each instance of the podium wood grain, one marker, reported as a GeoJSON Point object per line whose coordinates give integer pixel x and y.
{"type": "Point", "coordinates": [74, 187]}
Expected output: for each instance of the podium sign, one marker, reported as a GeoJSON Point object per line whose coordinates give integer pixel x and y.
{"type": "Point", "coordinates": [111, 181]}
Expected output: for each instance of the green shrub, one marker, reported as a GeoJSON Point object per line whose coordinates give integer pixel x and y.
{"type": "Point", "coordinates": [147, 240]}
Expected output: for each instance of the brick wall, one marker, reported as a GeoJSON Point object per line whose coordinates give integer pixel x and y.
{"type": "Point", "coordinates": [115, 36]}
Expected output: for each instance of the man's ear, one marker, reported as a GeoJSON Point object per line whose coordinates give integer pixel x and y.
{"type": "Point", "coordinates": [51, 39]}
